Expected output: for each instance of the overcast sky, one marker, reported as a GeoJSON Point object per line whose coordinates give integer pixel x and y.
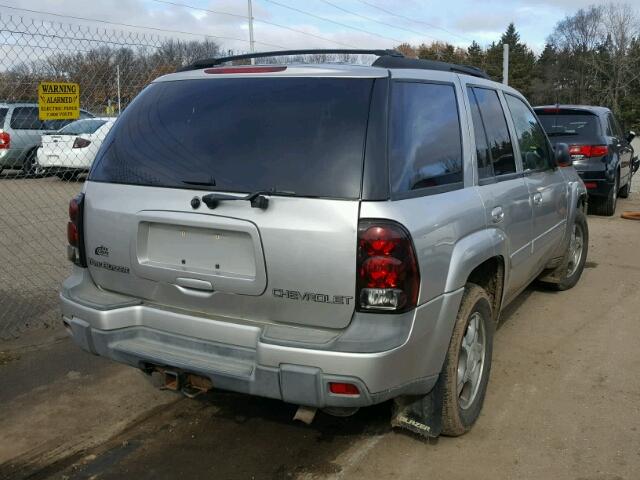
{"type": "Point", "coordinates": [415, 21]}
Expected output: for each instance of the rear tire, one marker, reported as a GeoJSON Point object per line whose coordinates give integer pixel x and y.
{"type": "Point", "coordinates": [467, 366]}
{"type": "Point", "coordinates": [606, 206]}
{"type": "Point", "coordinates": [67, 175]}
{"type": "Point", "coordinates": [30, 164]}
{"type": "Point", "coordinates": [626, 190]}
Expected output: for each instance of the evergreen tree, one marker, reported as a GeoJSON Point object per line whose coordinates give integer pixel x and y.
{"type": "Point", "coordinates": [475, 55]}
{"type": "Point", "coordinates": [521, 60]}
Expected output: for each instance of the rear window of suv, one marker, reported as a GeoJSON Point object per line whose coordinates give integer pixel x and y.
{"type": "Point", "coordinates": [569, 124]}
{"type": "Point", "coordinates": [302, 136]}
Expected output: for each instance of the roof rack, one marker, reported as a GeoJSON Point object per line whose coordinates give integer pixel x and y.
{"type": "Point", "coordinates": [386, 59]}
{"type": "Point", "coordinates": [212, 62]}
{"type": "Point", "coordinates": [418, 63]}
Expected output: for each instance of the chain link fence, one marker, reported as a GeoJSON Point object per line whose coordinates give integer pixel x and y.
{"type": "Point", "coordinates": [43, 162]}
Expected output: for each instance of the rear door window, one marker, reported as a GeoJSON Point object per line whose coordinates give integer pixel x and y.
{"type": "Point", "coordinates": [3, 115]}
{"type": "Point", "coordinates": [497, 132]}
{"type": "Point", "coordinates": [425, 148]}
{"type": "Point", "coordinates": [303, 136]}
{"type": "Point", "coordinates": [26, 118]}
{"type": "Point", "coordinates": [534, 148]}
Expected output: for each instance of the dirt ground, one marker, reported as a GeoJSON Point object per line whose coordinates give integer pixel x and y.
{"type": "Point", "coordinates": [563, 403]}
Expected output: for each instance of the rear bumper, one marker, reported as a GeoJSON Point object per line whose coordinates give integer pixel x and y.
{"type": "Point", "coordinates": [241, 358]}
{"type": "Point", "coordinates": [597, 182]}
{"type": "Point", "coordinates": [12, 158]}
{"type": "Point", "coordinates": [63, 161]}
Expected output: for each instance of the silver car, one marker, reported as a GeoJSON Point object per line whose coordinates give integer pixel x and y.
{"type": "Point", "coordinates": [20, 132]}
{"type": "Point", "coordinates": [332, 235]}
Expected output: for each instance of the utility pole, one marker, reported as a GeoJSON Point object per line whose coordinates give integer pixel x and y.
{"type": "Point", "coordinates": [251, 41]}
{"type": "Point", "coordinates": [118, 82]}
{"type": "Point", "coordinates": [505, 63]}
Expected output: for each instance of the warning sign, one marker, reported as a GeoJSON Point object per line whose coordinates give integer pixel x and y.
{"type": "Point", "coordinates": [59, 101]}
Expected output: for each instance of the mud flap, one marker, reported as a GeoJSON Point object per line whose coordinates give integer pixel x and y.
{"type": "Point", "coordinates": [422, 414]}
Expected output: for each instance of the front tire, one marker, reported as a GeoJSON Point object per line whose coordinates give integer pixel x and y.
{"type": "Point", "coordinates": [567, 274]}
{"type": "Point", "coordinates": [468, 362]}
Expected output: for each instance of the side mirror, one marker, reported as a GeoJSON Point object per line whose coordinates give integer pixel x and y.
{"type": "Point", "coordinates": [563, 157]}
{"type": "Point", "coordinates": [630, 136]}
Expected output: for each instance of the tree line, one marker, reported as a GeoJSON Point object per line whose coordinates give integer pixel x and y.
{"type": "Point", "coordinates": [591, 57]}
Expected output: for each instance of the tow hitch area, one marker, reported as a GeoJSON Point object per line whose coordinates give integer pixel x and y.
{"type": "Point", "coordinates": [190, 384]}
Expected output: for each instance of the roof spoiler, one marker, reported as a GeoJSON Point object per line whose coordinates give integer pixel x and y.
{"type": "Point", "coordinates": [212, 62]}
{"type": "Point", "coordinates": [386, 59]}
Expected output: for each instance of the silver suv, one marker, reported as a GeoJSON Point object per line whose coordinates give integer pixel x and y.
{"type": "Point", "coordinates": [20, 134]}
{"type": "Point", "coordinates": [331, 235]}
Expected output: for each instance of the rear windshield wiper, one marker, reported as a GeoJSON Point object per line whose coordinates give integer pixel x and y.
{"type": "Point", "coordinates": [204, 182]}
{"type": "Point", "coordinates": [257, 199]}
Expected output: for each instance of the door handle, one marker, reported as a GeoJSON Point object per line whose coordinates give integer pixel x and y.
{"type": "Point", "coordinates": [194, 284]}
{"type": "Point", "coordinates": [537, 198]}
{"type": "Point", "coordinates": [497, 215]}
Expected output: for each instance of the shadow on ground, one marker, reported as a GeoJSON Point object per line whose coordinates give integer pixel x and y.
{"type": "Point", "coordinates": [224, 435]}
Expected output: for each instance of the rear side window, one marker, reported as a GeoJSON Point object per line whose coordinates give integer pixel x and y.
{"type": "Point", "coordinates": [495, 125]}
{"type": "Point", "coordinates": [3, 115]}
{"type": "Point", "coordinates": [425, 147]}
{"type": "Point", "coordinates": [303, 136]}
{"type": "Point", "coordinates": [615, 126]}
{"type": "Point", "coordinates": [483, 154]}
{"type": "Point", "coordinates": [534, 148]}
{"type": "Point", "coordinates": [82, 127]}
{"type": "Point", "coordinates": [26, 118]}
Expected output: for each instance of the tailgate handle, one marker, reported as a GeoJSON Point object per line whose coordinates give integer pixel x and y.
{"type": "Point", "coordinates": [194, 284]}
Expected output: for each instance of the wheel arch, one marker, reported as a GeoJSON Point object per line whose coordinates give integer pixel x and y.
{"type": "Point", "coordinates": [480, 258]}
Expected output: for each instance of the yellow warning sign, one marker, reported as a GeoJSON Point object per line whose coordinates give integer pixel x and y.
{"type": "Point", "coordinates": [59, 100]}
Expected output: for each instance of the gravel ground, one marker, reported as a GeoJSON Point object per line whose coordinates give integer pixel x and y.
{"type": "Point", "coordinates": [33, 222]}
{"type": "Point", "coordinates": [563, 403]}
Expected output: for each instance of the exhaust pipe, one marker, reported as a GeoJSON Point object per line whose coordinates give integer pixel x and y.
{"type": "Point", "coordinates": [305, 414]}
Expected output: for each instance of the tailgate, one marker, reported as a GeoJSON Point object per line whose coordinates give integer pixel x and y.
{"type": "Point", "coordinates": [55, 144]}
{"type": "Point", "coordinates": [299, 138]}
{"type": "Point", "coordinates": [294, 262]}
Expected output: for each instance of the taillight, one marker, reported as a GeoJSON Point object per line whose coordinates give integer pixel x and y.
{"type": "Point", "coordinates": [81, 142]}
{"type": "Point", "coordinates": [5, 140]}
{"type": "Point", "coordinates": [590, 185]}
{"type": "Point", "coordinates": [75, 249]}
{"type": "Point", "coordinates": [588, 151]}
{"type": "Point", "coordinates": [388, 276]}
{"type": "Point", "coordinates": [259, 69]}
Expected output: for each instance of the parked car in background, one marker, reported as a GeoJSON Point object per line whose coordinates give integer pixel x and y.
{"type": "Point", "coordinates": [20, 132]}
{"type": "Point", "coordinates": [70, 151]}
{"type": "Point", "coordinates": [332, 235]}
{"type": "Point", "coordinates": [601, 152]}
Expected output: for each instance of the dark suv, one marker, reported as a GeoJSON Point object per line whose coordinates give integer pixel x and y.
{"type": "Point", "coordinates": [601, 152]}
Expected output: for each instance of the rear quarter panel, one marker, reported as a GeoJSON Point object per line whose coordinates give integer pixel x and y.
{"type": "Point", "coordinates": [447, 229]}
